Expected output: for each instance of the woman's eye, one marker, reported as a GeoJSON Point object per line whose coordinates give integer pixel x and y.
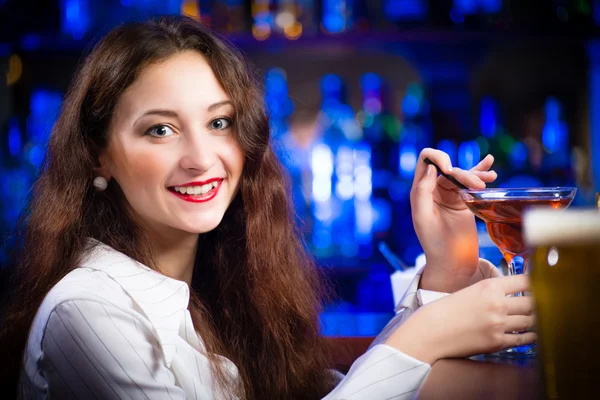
{"type": "Point", "coordinates": [160, 131]}
{"type": "Point", "coordinates": [220, 123]}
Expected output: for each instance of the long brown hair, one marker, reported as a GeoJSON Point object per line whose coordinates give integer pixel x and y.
{"type": "Point", "coordinates": [256, 295]}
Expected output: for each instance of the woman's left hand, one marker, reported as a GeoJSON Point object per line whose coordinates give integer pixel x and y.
{"type": "Point", "coordinates": [444, 225]}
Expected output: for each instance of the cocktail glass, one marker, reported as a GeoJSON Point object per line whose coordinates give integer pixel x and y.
{"type": "Point", "coordinates": [502, 210]}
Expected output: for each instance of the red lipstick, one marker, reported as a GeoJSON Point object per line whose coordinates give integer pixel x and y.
{"type": "Point", "coordinates": [199, 198]}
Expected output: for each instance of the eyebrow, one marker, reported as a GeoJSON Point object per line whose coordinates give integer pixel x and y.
{"type": "Point", "coordinates": [220, 104]}
{"type": "Point", "coordinates": [173, 114]}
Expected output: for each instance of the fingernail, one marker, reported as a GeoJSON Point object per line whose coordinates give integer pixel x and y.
{"type": "Point", "coordinates": [429, 170]}
{"type": "Point", "coordinates": [449, 167]}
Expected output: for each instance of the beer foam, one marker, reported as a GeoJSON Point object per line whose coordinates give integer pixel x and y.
{"type": "Point", "coordinates": [552, 227]}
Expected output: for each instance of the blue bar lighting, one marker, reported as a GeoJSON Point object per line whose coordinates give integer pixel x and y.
{"type": "Point", "coordinates": [75, 17]}
{"type": "Point", "coordinates": [411, 103]}
{"type": "Point", "coordinates": [518, 155]}
{"type": "Point", "coordinates": [448, 147]}
{"type": "Point", "coordinates": [594, 99]}
{"type": "Point", "coordinates": [322, 169]}
{"type": "Point", "coordinates": [14, 137]}
{"type": "Point", "coordinates": [44, 108]}
{"type": "Point", "coordinates": [337, 15]}
{"type": "Point", "coordinates": [407, 160]}
{"type": "Point", "coordinates": [555, 131]}
{"type": "Point", "coordinates": [468, 154]}
{"type": "Point", "coordinates": [487, 117]}
{"type": "Point", "coordinates": [397, 10]}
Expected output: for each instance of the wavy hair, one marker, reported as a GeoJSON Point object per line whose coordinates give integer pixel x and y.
{"type": "Point", "coordinates": [256, 295]}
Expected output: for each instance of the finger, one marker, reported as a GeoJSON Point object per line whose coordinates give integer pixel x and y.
{"type": "Point", "coordinates": [422, 194]}
{"type": "Point", "coordinates": [519, 323]}
{"type": "Point", "coordinates": [515, 283]}
{"type": "Point", "coordinates": [440, 158]}
{"type": "Point", "coordinates": [486, 176]}
{"type": "Point", "coordinates": [467, 178]}
{"type": "Point", "coordinates": [520, 305]}
{"type": "Point", "coordinates": [484, 164]}
{"type": "Point", "coordinates": [519, 339]}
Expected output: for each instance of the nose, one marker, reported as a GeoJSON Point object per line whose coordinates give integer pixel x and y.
{"type": "Point", "coordinates": [198, 153]}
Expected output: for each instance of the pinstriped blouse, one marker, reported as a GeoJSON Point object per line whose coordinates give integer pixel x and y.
{"type": "Point", "coordinates": [116, 329]}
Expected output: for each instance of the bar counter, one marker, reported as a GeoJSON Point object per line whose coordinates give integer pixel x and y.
{"type": "Point", "coordinates": [474, 378]}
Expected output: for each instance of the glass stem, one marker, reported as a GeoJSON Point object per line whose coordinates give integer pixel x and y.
{"type": "Point", "coordinates": [518, 265]}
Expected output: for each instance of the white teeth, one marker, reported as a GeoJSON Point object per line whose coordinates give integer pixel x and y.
{"type": "Point", "coordinates": [196, 190]}
{"type": "Point", "coordinates": [205, 188]}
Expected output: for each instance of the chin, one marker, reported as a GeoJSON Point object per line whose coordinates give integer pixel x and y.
{"type": "Point", "coordinates": [202, 226]}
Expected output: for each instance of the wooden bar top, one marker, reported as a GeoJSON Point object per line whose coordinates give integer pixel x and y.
{"type": "Point", "coordinates": [482, 378]}
{"type": "Point", "coordinates": [478, 377]}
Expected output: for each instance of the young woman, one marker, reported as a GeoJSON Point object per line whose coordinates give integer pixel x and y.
{"type": "Point", "coordinates": [159, 258]}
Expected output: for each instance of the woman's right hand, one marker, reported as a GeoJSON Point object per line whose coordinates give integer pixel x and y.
{"type": "Point", "coordinates": [476, 320]}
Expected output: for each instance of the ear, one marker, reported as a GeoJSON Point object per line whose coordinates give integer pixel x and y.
{"type": "Point", "coordinates": [102, 167]}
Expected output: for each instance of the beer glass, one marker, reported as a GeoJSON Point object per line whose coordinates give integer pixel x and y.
{"type": "Point", "coordinates": [565, 276]}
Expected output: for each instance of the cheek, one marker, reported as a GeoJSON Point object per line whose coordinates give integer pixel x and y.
{"type": "Point", "coordinates": [138, 169]}
{"type": "Point", "coordinates": [234, 158]}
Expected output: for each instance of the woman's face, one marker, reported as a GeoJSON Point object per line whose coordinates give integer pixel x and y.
{"type": "Point", "coordinates": [172, 149]}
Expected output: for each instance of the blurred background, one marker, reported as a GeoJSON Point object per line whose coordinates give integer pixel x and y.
{"type": "Point", "coordinates": [355, 89]}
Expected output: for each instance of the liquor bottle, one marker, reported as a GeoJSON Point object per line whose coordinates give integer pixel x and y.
{"type": "Point", "coordinates": [379, 128]}
{"type": "Point", "coordinates": [332, 170]}
{"type": "Point", "coordinates": [293, 157]}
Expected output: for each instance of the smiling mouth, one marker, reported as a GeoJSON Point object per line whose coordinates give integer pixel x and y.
{"type": "Point", "coordinates": [198, 192]}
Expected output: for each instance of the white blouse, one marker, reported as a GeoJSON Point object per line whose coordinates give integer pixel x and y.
{"type": "Point", "coordinates": [116, 329]}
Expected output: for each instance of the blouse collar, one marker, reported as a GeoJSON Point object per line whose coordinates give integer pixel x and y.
{"type": "Point", "coordinates": [162, 299]}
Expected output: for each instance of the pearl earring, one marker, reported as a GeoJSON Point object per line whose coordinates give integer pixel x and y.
{"type": "Point", "coordinates": [100, 183]}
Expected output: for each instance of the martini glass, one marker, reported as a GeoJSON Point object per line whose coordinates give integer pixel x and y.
{"type": "Point", "coordinates": [502, 211]}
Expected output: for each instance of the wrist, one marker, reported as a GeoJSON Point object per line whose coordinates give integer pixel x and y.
{"type": "Point", "coordinates": [444, 280]}
{"type": "Point", "coordinates": [415, 339]}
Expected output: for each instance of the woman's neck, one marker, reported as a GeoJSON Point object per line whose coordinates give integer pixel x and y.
{"type": "Point", "coordinates": [175, 253]}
